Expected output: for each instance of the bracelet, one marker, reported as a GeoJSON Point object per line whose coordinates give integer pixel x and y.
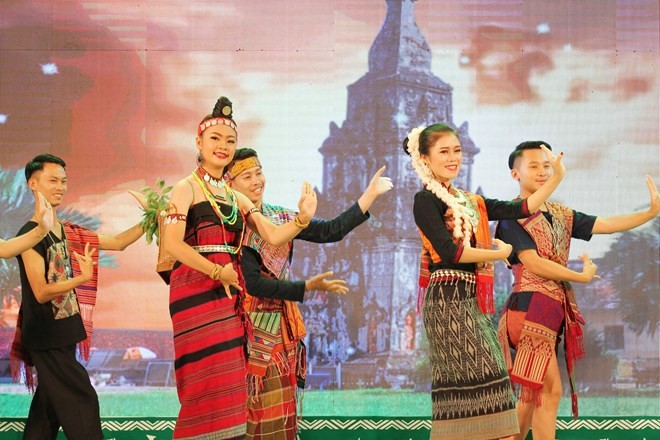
{"type": "Point", "coordinates": [300, 224]}
{"type": "Point", "coordinates": [173, 218]}
{"type": "Point", "coordinates": [217, 270]}
{"type": "Point", "coordinates": [252, 211]}
{"type": "Point", "coordinates": [40, 235]}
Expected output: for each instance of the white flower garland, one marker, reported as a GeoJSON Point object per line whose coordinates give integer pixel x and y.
{"type": "Point", "coordinates": [462, 225]}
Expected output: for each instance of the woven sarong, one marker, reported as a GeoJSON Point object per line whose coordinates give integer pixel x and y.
{"type": "Point", "coordinates": [472, 396]}
{"type": "Point", "coordinates": [209, 339]}
{"type": "Point", "coordinates": [272, 414]}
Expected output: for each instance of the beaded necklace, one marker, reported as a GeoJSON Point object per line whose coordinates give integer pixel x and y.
{"type": "Point", "coordinates": [231, 198]}
{"type": "Point", "coordinates": [229, 219]}
{"type": "Point", "coordinates": [471, 213]}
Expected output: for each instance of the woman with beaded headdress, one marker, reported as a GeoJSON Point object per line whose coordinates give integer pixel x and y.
{"type": "Point", "coordinates": [471, 393]}
{"type": "Point", "coordinates": [203, 231]}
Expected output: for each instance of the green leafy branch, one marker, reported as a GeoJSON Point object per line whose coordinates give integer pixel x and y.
{"type": "Point", "coordinates": [157, 200]}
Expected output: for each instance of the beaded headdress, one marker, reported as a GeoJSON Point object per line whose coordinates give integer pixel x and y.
{"type": "Point", "coordinates": [221, 115]}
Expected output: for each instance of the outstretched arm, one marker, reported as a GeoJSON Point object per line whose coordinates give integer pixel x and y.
{"type": "Point", "coordinates": [43, 215]}
{"type": "Point", "coordinates": [539, 197]}
{"type": "Point", "coordinates": [618, 223]}
{"type": "Point", "coordinates": [279, 234]}
{"type": "Point", "coordinates": [264, 287]}
{"type": "Point", "coordinates": [553, 271]}
{"type": "Point", "coordinates": [124, 239]}
{"type": "Point", "coordinates": [259, 285]}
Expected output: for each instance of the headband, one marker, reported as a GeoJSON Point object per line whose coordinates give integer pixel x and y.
{"type": "Point", "coordinates": [216, 121]}
{"type": "Point", "coordinates": [241, 165]}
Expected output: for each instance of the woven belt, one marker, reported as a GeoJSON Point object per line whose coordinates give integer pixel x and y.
{"type": "Point", "coordinates": [452, 275]}
{"type": "Point", "coordinates": [209, 248]}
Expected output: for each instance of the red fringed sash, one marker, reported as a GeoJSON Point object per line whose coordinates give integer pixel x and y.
{"type": "Point", "coordinates": [77, 237]}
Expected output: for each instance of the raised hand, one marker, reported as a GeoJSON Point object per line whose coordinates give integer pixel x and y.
{"type": "Point", "coordinates": [558, 168]}
{"type": "Point", "coordinates": [43, 213]}
{"type": "Point", "coordinates": [655, 197]}
{"type": "Point", "coordinates": [228, 278]}
{"type": "Point", "coordinates": [307, 203]}
{"type": "Point", "coordinates": [321, 282]}
{"type": "Point", "coordinates": [86, 262]}
{"type": "Point", "coordinates": [379, 185]}
{"type": "Point", "coordinates": [589, 268]}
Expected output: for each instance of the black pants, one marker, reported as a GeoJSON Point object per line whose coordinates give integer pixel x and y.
{"type": "Point", "coordinates": [64, 397]}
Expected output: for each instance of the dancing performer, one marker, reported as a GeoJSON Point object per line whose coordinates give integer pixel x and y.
{"type": "Point", "coordinates": [277, 359]}
{"type": "Point", "coordinates": [58, 297]}
{"type": "Point", "coordinates": [204, 231]}
{"type": "Point", "coordinates": [542, 303]}
{"type": "Point", "coordinates": [43, 216]}
{"type": "Point", "coordinates": [472, 396]}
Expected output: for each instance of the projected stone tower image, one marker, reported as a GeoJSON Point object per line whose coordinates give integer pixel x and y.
{"type": "Point", "coordinates": [377, 321]}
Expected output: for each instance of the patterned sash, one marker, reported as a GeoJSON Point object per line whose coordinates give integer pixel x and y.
{"type": "Point", "coordinates": [539, 333]}
{"type": "Point", "coordinates": [276, 262]}
{"type": "Point", "coordinates": [76, 237]}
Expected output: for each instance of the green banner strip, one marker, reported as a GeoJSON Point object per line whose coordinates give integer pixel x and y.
{"type": "Point", "coordinates": [375, 428]}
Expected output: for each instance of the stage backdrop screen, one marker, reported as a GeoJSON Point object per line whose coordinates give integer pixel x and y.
{"type": "Point", "coordinates": [325, 92]}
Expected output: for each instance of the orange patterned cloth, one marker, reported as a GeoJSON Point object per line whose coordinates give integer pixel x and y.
{"type": "Point", "coordinates": [481, 239]}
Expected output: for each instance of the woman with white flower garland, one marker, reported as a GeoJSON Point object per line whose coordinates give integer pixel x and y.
{"type": "Point", "coordinates": [472, 396]}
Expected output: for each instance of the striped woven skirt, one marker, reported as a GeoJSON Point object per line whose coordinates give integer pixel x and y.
{"type": "Point", "coordinates": [210, 362]}
{"type": "Point", "coordinates": [272, 411]}
{"type": "Point", "coordinates": [471, 395]}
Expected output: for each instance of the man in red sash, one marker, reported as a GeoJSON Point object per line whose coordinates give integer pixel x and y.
{"type": "Point", "coordinates": [542, 304]}
{"type": "Point", "coordinates": [59, 293]}
{"type": "Point", "coordinates": [277, 359]}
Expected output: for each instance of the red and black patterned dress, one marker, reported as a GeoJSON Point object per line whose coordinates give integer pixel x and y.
{"type": "Point", "coordinates": [209, 334]}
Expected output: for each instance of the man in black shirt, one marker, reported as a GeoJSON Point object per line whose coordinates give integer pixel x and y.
{"type": "Point", "coordinates": [271, 405]}
{"type": "Point", "coordinates": [53, 317]}
{"type": "Point", "coordinates": [542, 302]}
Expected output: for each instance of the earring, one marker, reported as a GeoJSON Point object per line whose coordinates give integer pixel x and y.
{"type": "Point", "coordinates": [199, 159]}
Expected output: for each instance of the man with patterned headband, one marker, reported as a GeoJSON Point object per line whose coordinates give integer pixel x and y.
{"type": "Point", "coordinates": [276, 364]}
{"type": "Point", "coordinates": [542, 303]}
{"type": "Point", "coordinates": [59, 293]}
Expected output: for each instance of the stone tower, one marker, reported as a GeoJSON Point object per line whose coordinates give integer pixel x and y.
{"type": "Point", "coordinates": [380, 259]}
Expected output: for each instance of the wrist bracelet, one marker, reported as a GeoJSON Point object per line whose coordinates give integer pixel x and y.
{"type": "Point", "coordinates": [300, 224]}
{"type": "Point", "coordinates": [217, 270]}
{"type": "Point", "coordinates": [40, 235]}
{"type": "Point", "coordinates": [252, 211]}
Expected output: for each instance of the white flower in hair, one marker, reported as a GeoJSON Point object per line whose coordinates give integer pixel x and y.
{"type": "Point", "coordinates": [462, 224]}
